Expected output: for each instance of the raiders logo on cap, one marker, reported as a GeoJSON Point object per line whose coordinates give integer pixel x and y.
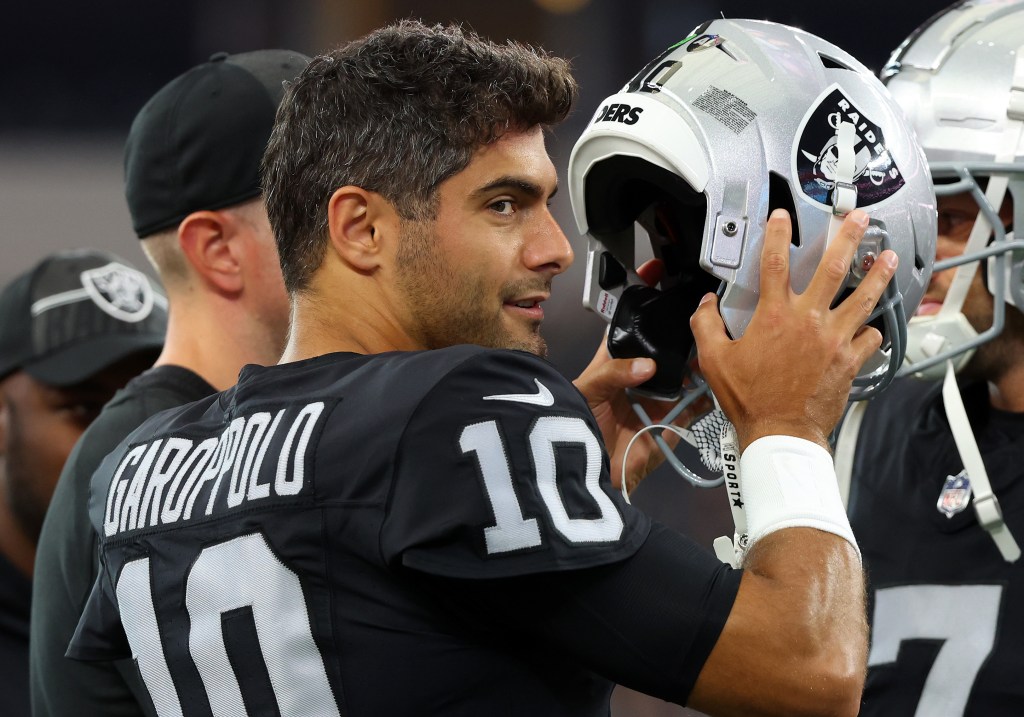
{"type": "Point", "coordinates": [120, 291]}
{"type": "Point", "coordinates": [876, 175]}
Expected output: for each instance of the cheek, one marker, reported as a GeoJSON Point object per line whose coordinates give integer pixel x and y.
{"type": "Point", "coordinates": [474, 272]}
{"type": "Point", "coordinates": [942, 279]}
{"type": "Point", "coordinates": [42, 447]}
{"type": "Point", "coordinates": [979, 295]}
{"type": "Point", "coordinates": [502, 266]}
{"type": "Point", "coordinates": [59, 438]}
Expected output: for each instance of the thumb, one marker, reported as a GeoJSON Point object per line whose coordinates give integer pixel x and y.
{"type": "Point", "coordinates": [599, 383]}
{"type": "Point", "coordinates": [707, 326]}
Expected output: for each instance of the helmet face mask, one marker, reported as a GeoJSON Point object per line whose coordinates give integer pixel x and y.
{"type": "Point", "coordinates": [696, 151]}
{"type": "Point", "coordinates": [969, 50]}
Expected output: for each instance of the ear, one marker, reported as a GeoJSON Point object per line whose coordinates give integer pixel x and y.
{"type": "Point", "coordinates": [205, 238]}
{"type": "Point", "coordinates": [358, 223]}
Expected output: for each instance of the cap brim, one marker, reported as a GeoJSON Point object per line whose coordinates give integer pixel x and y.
{"type": "Point", "coordinates": [74, 364]}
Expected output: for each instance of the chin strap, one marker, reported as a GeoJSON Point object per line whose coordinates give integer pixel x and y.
{"type": "Point", "coordinates": [846, 447]}
{"type": "Point", "coordinates": [844, 195]}
{"type": "Point", "coordinates": [986, 505]}
{"type": "Point", "coordinates": [731, 551]}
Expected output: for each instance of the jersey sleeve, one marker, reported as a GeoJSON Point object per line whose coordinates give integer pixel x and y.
{"type": "Point", "coordinates": [501, 471]}
{"type": "Point", "coordinates": [100, 635]}
{"type": "Point", "coordinates": [648, 622]}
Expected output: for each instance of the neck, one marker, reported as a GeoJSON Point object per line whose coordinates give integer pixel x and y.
{"type": "Point", "coordinates": [320, 326]}
{"type": "Point", "coordinates": [214, 337]}
{"type": "Point", "coordinates": [1007, 394]}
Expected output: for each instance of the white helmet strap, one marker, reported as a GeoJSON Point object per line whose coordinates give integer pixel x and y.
{"type": "Point", "coordinates": [986, 505]}
{"type": "Point", "coordinates": [980, 234]}
{"type": "Point", "coordinates": [844, 196]}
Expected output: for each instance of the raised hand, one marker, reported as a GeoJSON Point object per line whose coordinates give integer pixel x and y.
{"type": "Point", "coordinates": [791, 371]}
{"type": "Point", "coordinates": [604, 382]}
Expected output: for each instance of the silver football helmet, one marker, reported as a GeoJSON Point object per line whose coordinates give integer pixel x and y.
{"type": "Point", "coordinates": [960, 81]}
{"type": "Point", "coordinates": [740, 118]}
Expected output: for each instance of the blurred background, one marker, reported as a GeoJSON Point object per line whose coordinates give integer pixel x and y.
{"type": "Point", "coordinates": [73, 75]}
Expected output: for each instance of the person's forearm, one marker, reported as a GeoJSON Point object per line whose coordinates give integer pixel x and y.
{"type": "Point", "coordinates": [796, 641]}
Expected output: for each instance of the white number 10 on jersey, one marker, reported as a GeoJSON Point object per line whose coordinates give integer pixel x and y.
{"type": "Point", "coordinates": [512, 530]}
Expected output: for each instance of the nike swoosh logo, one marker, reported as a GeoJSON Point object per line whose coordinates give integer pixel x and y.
{"type": "Point", "coordinates": [543, 396]}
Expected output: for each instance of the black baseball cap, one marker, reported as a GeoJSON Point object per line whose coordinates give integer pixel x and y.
{"type": "Point", "coordinates": [76, 313]}
{"type": "Point", "coordinates": [197, 144]}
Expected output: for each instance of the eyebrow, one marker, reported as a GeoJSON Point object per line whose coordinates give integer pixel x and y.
{"type": "Point", "coordinates": [517, 183]}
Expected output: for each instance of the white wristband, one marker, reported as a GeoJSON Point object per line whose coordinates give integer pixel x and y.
{"type": "Point", "coordinates": [790, 482]}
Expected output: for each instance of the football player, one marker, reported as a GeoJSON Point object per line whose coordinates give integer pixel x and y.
{"type": "Point", "coordinates": [413, 514]}
{"type": "Point", "coordinates": [192, 184]}
{"type": "Point", "coordinates": [937, 489]}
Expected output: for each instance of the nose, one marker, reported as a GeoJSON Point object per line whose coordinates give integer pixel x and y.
{"type": "Point", "coordinates": [946, 248]}
{"type": "Point", "coordinates": [548, 250]}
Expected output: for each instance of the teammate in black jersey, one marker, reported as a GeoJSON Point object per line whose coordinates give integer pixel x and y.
{"type": "Point", "coordinates": [414, 514]}
{"type": "Point", "coordinates": [941, 548]}
{"type": "Point", "coordinates": [192, 184]}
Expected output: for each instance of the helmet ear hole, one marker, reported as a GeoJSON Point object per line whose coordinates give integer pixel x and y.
{"type": "Point", "coordinates": [620, 188]}
{"type": "Point", "coordinates": [832, 63]}
{"type": "Point", "coordinates": [780, 196]}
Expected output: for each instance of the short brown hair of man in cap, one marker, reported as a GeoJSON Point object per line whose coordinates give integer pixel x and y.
{"type": "Point", "coordinates": [73, 330]}
{"type": "Point", "coordinates": [193, 189]}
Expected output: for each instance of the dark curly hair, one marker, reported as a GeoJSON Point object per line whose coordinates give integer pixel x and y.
{"type": "Point", "coordinates": [397, 113]}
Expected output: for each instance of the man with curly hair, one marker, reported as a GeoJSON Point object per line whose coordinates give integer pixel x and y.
{"type": "Point", "coordinates": [414, 513]}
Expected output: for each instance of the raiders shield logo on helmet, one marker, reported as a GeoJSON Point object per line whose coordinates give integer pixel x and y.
{"type": "Point", "coordinates": [876, 175]}
{"type": "Point", "coordinates": [120, 291]}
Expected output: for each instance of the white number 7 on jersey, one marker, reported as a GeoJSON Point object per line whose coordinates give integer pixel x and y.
{"type": "Point", "coordinates": [964, 616]}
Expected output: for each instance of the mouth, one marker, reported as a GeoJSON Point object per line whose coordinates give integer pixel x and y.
{"type": "Point", "coordinates": [928, 307]}
{"type": "Point", "coordinates": [527, 307]}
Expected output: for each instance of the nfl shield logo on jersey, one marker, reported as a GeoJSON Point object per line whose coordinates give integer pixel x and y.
{"type": "Point", "coordinates": [955, 495]}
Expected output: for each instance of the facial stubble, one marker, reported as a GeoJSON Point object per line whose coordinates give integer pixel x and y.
{"type": "Point", "coordinates": [449, 307]}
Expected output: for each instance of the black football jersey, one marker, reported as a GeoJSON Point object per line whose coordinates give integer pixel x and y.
{"type": "Point", "coordinates": [947, 612]}
{"type": "Point", "coordinates": [402, 534]}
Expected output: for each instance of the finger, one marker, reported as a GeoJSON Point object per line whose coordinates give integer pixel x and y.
{"type": "Point", "coordinates": [835, 263]}
{"type": "Point", "coordinates": [855, 309]}
{"type": "Point", "coordinates": [708, 329]}
{"type": "Point", "coordinates": [600, 382]}
{"type": "Point", "coordinates": [778, 236]}
{"type": "Point", "coordinates": [865, 343]}
{"type": "Point", "coordinates": [651, 271]}
{"type": "Point", "coordinates": [601, 356]}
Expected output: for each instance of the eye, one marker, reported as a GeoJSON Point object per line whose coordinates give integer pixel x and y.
{"type": "Point", "coordinates": [505, 207]}
{"type": "Point", "coordinates": [955, 224]}
{"type": "Point", "coordinates": [83, 412]}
